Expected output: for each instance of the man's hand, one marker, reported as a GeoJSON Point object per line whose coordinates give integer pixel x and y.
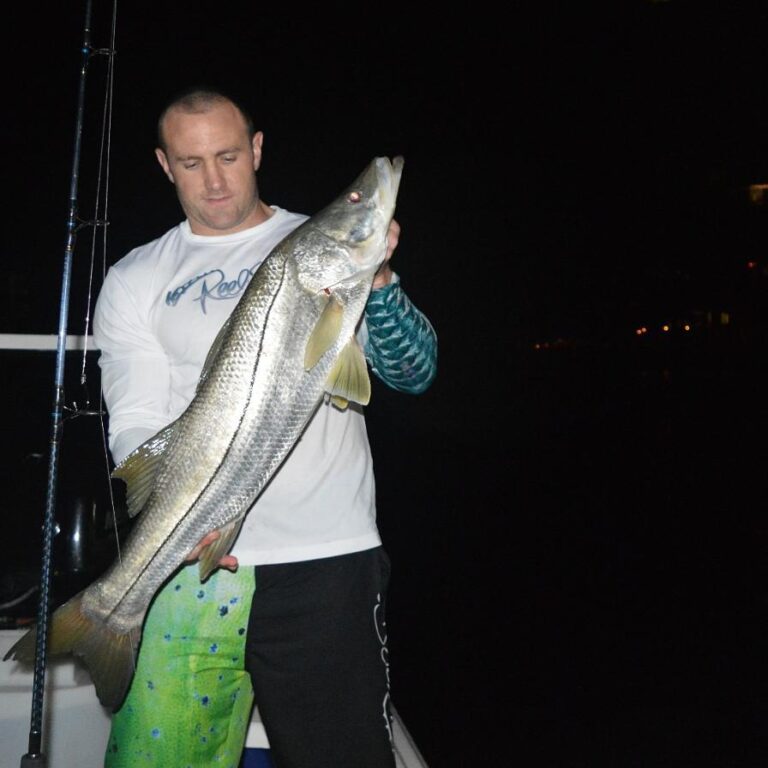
{"type": "Point", "coordinates": [228, 561]}
{"type": "Point", "coordinates": [383, 275]}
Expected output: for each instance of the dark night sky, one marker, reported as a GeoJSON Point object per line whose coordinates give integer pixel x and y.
{"type": "Point", "coordinates": [569, 164]}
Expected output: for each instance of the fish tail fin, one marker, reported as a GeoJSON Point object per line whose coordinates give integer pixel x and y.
{"type": "Point", "coordinates": [68, 626]}
{"type": "Point", "coordinates": [109, 655]}
{"type": "Point", "coordinates": [23, 649]}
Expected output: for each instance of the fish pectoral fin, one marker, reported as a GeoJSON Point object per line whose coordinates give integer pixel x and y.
{"type": "Point", "coordinates": [324, 334]}
{"type": "Point", "coordinates": [210, 555]}
{"type": "Point", "coordinates": [139, 469]}
{"type": "Point", "coordinates": [348, 380]}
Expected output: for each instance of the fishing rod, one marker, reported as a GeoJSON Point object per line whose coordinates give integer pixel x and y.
{"type": "Point", "coordinates": [34, 758]}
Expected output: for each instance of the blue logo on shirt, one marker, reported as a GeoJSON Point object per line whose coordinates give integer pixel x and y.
{"type": "Point", "coordinates": [213, 285]}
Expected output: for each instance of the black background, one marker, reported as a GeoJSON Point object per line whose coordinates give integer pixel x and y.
{"type": "Point", "coordinates": [577, 531]}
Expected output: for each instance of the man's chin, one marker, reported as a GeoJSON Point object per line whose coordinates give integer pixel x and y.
{"type": "Point", "coordinates": [216, 225]}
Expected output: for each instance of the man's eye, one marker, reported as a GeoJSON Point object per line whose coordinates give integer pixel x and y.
{"type": "Point", "coordinates": [230, 158]}
{"type": "Point", "coordinates": [190, 166]}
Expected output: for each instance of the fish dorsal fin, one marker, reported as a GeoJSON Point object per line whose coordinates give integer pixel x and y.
{"type": "Point", "coordinates": [325, 333]}
{"type": "Point", "coordinates": [139, 469]}
{"type": "Point", "coordinates": [210, 556]}
{"type": "Point", "coordinates": [348, 380]}
{"type": "Point", "coordinates": [213, 351]}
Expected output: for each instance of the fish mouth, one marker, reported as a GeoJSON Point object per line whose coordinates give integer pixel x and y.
{"type": "Point", "coordinates": [389, 174]}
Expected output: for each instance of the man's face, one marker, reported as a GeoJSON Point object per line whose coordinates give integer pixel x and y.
{"type": "Point", "coordinates": [212, 161]}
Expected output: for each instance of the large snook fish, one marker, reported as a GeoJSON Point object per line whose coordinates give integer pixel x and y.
{"type": "Point", "coordinates": [289, 343]}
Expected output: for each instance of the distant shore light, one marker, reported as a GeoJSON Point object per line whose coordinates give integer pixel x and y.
{"type": "Point", "coordinates": [757, 193]}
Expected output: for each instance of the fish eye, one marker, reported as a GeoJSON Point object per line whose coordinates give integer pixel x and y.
{"type": "Point", "coordinates": [354, 197]}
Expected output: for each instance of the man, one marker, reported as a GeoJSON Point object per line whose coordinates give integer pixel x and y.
{"type": "Point", "coordinates": [297, 619]}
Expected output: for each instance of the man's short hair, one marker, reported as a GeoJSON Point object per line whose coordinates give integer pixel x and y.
{"type": "Point", "coordinates": [200, 99]}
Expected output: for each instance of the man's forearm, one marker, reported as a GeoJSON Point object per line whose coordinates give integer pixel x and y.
{"type": "Point", "coordinates": [402, 345]}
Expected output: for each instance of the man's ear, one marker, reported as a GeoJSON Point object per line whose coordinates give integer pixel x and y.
{"type": "Point", "coordinates": [162, 158]}
{"type": "Point", "coordinates": [256, 143]}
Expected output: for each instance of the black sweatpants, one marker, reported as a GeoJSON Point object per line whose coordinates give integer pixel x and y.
{"type": "Point", "coordinates": [316, 651]}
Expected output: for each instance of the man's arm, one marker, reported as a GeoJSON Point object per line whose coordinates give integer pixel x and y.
{"type": "Point", "coordinates": [401, 344]}
{"type": "Point", "coordinates": [135, 372]}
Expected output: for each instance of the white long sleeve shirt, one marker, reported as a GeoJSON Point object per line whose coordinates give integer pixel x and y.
{"type": "Point", "coordinates": [157, 314]}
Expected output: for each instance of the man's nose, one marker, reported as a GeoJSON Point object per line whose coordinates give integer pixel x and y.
{"type": "Point", "coordinates": [214, 178]}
